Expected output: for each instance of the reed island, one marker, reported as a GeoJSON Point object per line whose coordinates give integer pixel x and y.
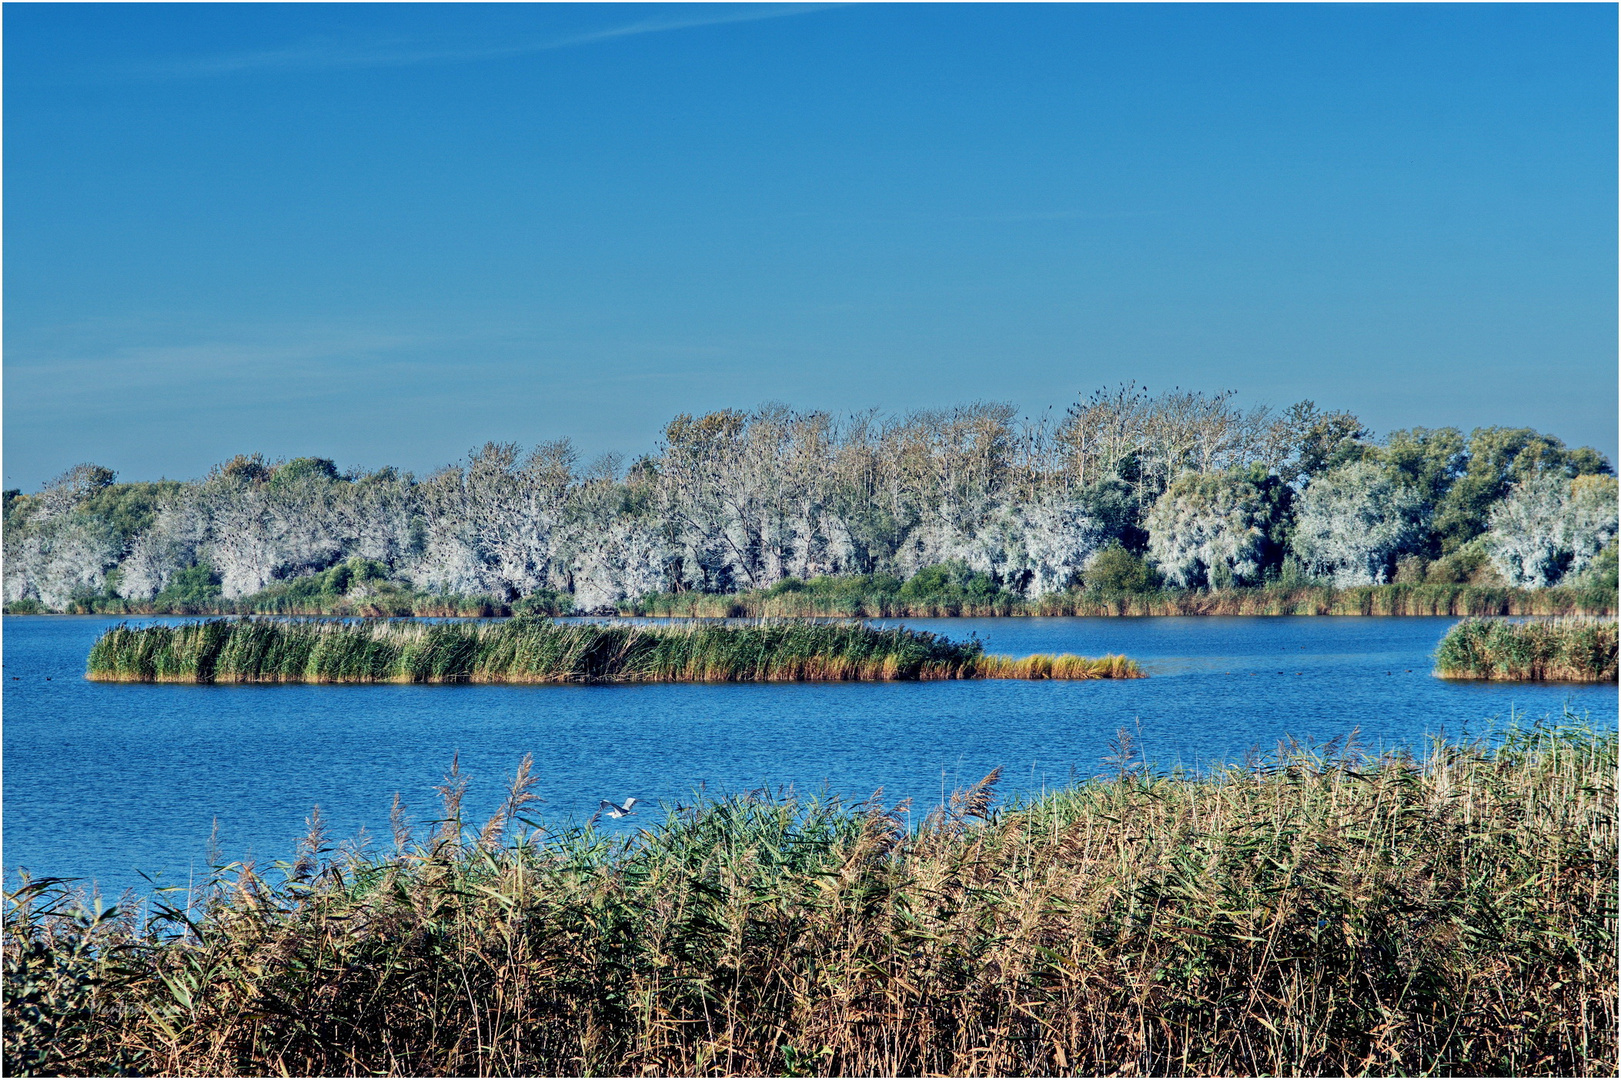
{"type": "Point", "coordinates": [1551, 650]}
{"type": "Point", "coordinates": [530, 650]}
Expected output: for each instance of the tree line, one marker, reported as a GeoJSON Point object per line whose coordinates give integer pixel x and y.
{"type": "Point", "coordinates": [1180, 489]}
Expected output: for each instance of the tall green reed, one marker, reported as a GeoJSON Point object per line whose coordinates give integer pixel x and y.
{"type": "Point", "coordinates": [538, 650]}
{"type": "Point", "coordinates": [1556, 650]}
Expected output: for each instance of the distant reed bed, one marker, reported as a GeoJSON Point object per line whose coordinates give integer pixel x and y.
{"type": "Point", "coordinates": [1313, 913]}
{"type": "Point", "coordinates": [863, 596]}
{"type": "Point", "coordinates": [848, 599]}
{"type": "Point", "coordinates": [1557, 650]}
{"type": "Point", "coordinates": [1395, 599]}
{"type": "Point", "coordinates": [540, 651]}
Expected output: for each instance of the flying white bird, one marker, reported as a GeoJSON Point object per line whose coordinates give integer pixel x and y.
{"type": "Point", "coordinates": [614, 811]}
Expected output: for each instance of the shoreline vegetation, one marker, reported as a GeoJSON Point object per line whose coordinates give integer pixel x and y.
{"type": "Point", "coordinates": [878, 597]}
{"type": "Point", "coordinates": [1559, 650]}
{"type": "Point", "coordinates": [1172, 502]}
{"type": "Point", "coordinates": [864, 598]}
{"type": "Point", "coordinates": [1326, 912]}
{"type": "Point", "coordinates": [532, 650]}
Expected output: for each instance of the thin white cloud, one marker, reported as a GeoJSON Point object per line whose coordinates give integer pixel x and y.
{"type": "Point", "coordinates": [401, 52]}
{"type": "Point", "coordinates": [193, 371]}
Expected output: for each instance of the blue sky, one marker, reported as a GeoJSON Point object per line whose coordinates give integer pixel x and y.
{"type": "Point", "coordinates": [387, 234]}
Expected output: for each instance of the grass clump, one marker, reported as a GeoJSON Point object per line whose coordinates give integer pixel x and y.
{"type": "Point", "coordinates": [530, 650]}
{"type": "Point", "coordinates": [1558, 650]}
{"type": "Point", "coordinates": [1312, 913]}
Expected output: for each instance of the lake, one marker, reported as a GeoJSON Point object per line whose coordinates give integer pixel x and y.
{"type": "Point", "coordinates": [102, 780]}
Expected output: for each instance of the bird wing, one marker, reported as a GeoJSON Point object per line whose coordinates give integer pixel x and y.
{"type": "Point", "coordinates": [630, 802]}
{"type": "Point", "coordinates": [606, 805]}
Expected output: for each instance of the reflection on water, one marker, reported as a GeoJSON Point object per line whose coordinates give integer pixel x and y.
{"type": "Point", "coordinates": [104, 779]}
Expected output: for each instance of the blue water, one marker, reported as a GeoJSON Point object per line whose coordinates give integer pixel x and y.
{"type": "Point", "coordinates": [104, 780]}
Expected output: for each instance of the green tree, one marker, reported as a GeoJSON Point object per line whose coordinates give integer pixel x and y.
{"type": "Point", "coordinates": [302, 468]}
{"type": "Point", "coordinates": [130, 508]}
{"type": "Point", "coordinates": [1117, 570]}
{"type": "Point", "coordinates": [1429, 460]}
{"type": "Point", "coordinates": [1324, 441]}
{"type": "Point", "coordinates": [951, 581]}
{"type": "Point", "coordinates": [195, 586]}
{"type": "Point", "coordinates": [1499, 458]}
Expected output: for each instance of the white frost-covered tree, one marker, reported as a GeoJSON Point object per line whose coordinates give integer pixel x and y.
{"type": "Point", "coordinates": [58, 559]}
{"type": "Point", "coordinates": [254, 532]}
{"type": "Point", "coordinates": [1550, 526]}
{"type": "Point", "coordinates": [1209, 528]}
{"type": "Point", "coordinates": [1352, 524]}
{"type": "Point", "coordinates": [54, 552]}
{"type": "Point", "coordinates": [157, 554]}
{"type": "Point", "coordinates": [494, 526]}
{"type": "Point", "coordinates": [741, 499]}
{"type": "Point", "coordinates": [624, 561]}
{"type": "Point", "coordinates": [1034, 548]}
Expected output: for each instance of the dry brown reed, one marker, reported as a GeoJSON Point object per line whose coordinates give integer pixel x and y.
{"type": "Point", "coordinates": [1066, 666]}
{"type": "Point", "coordinates": [1313, 913]}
